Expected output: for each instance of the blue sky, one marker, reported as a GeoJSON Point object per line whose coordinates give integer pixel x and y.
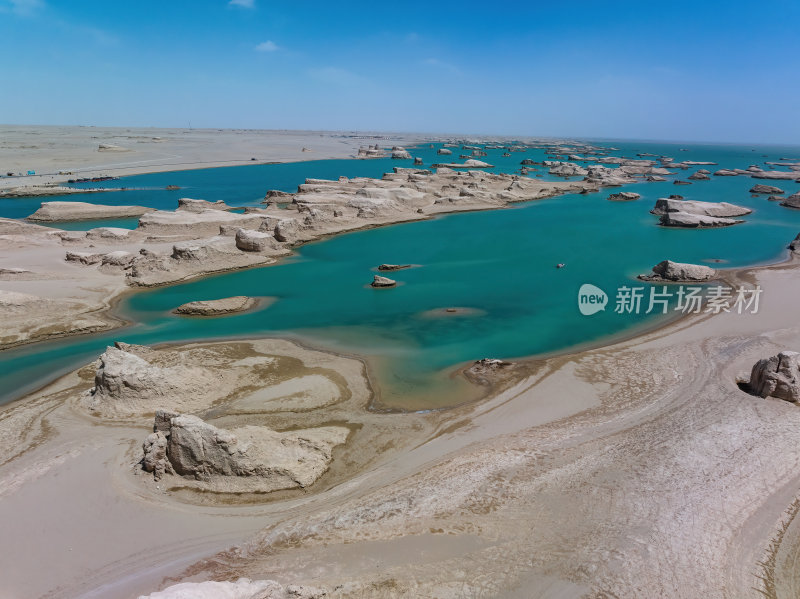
{"type": "Point", "coordinates": [716, 71]}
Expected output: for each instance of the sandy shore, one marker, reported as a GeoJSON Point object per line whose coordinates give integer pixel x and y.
{"type": "Point", "coordinates": [638, 469]}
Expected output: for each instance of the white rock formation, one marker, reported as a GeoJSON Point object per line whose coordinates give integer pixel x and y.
{"type": "Point", "coordinates": [380, 281]}
{"type": "Point", "coordinates": [716, 209]}
{"type": "Point", "coordinates": [668, 270]}
{"type": "Point", "coordinates": [188, 446]}
{"type": "Point", "coordinates": [248, 240]}
{"type": "Point", "coordinates": [777, 376]}
{"type": "Point", "coordinates": [692, 221]}
{"type": "Point", "coordinates": [126, 384]}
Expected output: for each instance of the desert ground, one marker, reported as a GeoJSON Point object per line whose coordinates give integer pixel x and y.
{"type": "Point", "coordinates": [118, 151]}
{"type": "Point", "coordinates": [261, 468]}
{"type": "Point", "coordinates": [639, 469]}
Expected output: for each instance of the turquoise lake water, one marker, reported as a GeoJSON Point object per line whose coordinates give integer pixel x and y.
{"type": "Point", "coordinates": [500, 263]}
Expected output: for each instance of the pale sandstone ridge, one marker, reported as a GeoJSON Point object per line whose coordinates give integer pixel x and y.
{"type": "Point", "coordinates": [668, 270]}
{"type": "Point", "coordinates": [196, 221]}
{"type": "Point", "coordinates": [47, 190]}
{"type": "Point", "coordinates": [471, 163]}
{"type": "Point", "coordinates": [190, 259]}
{"type": "Point", "coordinates": [69, 211]}
{"type": "Point", "coordinates": [777, 376]}
{"type": "Point", "coordinates": [227, 305]}
{"type": "Point", "coordinates": [192, 205]}
{"type": "Point", "coordinates": [781, 175]}
{"type": "Point", "coordinates": [186, 445]}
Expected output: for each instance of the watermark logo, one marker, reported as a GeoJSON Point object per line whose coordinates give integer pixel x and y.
{"type": "Point", "coordinates": [687, 299]}
{"type": "Point", "coordinates": [591, 299]}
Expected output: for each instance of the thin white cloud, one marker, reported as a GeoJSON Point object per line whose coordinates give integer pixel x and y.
{"type": "Point", "coordinates": [22, 8]}
{"type": "Point", "coordinates": [439, 64]}
{"type": "Point", "coordinates": [336, 75]}
{"type": "Point", "coordinates": [268, 46]}
{"type": "Point", "coordinates": [242, 3]}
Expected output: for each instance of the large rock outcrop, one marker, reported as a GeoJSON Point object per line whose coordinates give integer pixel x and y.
{"type": "Point", "coordinates": [715, 209]}
{"type": "Point", "coordinates": [695, 221]}
{"type": "Point", "coordinates": [795, 244]}
{"type": "Point", "coordinates": [248, 240]}
{"type": "Point", "coordinates": [188, 446]}
{"type": "Point", "coordinates": [793, 201]}
{"type": "Point", "coordinates": [128, 384]}
{"type": "Point", "coordinates": [568, 169]}
{"type": "Point", "coordinates": [777, 376]}
{"type": "Point", "coordinates": [766, 189]}
{"type": "Point", "coordinates": [668, 270]}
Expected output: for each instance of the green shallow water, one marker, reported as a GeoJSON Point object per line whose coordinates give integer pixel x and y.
{"type": "Point", "coordinates": [500, 263]}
